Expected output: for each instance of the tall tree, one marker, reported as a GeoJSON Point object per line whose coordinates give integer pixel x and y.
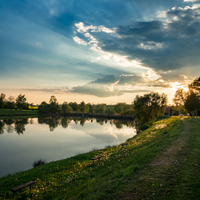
{"type": "Point", "coordinates": [20, 101]}
{"type": "Point", "coordinates": [2, 99]}
{"type": "Point", "coordinates": [192, 102]}
{"type": "Point", "coordinates": [11, 102]}
{"type": "Point", "coordinates": [195, 86]}
{"type": "Point", "coordinates": [84, 108]}
{"type": "Point", "coordinates": [180, 97]}
{"type": "Point", "coordinates": [53, 105]}
{"type": "Point", "coordinates": [149, 107]}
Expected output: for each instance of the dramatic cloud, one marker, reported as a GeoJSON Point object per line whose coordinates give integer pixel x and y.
{"type": "Point", "coordinates": [163, 44]}
{"type": "Point", "coordinates": [117, 86]}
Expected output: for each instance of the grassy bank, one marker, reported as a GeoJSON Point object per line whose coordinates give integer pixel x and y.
{"type": "Point", "coordinates": [159, 163]}
{"type": "Point", "coordinates": [13, 112]}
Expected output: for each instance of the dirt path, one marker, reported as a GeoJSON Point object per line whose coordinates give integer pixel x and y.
{"type": "Point", "coordinates": [157, 180]}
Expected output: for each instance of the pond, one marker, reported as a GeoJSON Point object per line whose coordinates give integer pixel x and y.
{"type": "Point", "coordinates": [23, 141]}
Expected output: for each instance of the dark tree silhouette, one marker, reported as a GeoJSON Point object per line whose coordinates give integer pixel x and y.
{"type": "Point", "coordinates": [20, 101]}
{"type": "Point", "coordinates": [11, 102]}
{"type": "Point", "coordinates": [192, 102]}
{"type": "Point", "coordinates": [180, 97]}
{"type": "Point", "coordinates": [2, 99]}
{"type": "Point", "coordinates": [195, 86]}
{"type": "Point", "coordinates": [53, 105]}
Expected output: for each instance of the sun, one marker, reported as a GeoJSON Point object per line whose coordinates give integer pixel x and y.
{"type": "Point", "coordinates": [185, 89]}
{"type": "Point", "coordinates": [176, 85]}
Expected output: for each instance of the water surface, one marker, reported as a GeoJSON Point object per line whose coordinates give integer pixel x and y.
{"type": "Point", "coordinates": [23, 141]}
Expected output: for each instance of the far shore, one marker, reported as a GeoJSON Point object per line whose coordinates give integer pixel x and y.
{"type": "Point", "coordinates": [31, 113]}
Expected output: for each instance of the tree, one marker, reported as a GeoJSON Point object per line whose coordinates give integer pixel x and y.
{"type": "Point", "coordinates": [43, 107]}
{"type": "Point", "coordinates": [91, 108]}
{"type": "Point", "coordinates": [53, 105]}
{"type": "Point", "coordinates": [180, 97]}
{"type": "Point", "coordinates": [2, 99]}
{"type": "Point", "coordinates": [11, 102]}
{"type": "Point", "coordinates": [149, 107]}
{"type": "Point", "coordinates": [66, 108]}
{"type": "Point", "coordinates": [101, 108]}
{"type": "Point", "coordinates": [84, 108]}
{"type": "Point", "coordinates": [195, 86]}
{"type": "Point", "coordinates": [192, 102]}
{"type": "Point", "coordinates": [74, 106]}
{"type": "Point", "coordinates": [20, 101]}
{"type": "Point", "coordinates": [119, 108]}
{"type": "Point", "coordinates": [110, 111]}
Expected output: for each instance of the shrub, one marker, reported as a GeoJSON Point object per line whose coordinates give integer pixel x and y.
{"type": "Point", "coordinates": [38, 163]}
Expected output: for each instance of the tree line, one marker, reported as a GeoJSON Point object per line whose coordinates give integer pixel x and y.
{"type": "Point", "coordinates": [54, 107]}
{"type": "Point", "coordinates": [12, 103]}
{"type": "Point", "coordinates": [146, 108]}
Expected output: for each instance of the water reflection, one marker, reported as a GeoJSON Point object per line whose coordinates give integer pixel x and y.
{"type": "Point", "coordinates": [2, 127]}
{"type": "Point", "coordinates": [18, 125]}
{"type": "Point", "coordinates": [53, 138]}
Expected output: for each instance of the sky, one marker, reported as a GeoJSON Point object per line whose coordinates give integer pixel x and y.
{"type": "Point", "coordinates": [104, 51]}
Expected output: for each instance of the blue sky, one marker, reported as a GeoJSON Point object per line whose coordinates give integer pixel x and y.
{"type": "Point", "coordinates": [104, 51]}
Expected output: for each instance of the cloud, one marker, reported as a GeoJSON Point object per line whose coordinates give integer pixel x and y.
{"type": "Point", "coordinates": [54, 90]}
{"type": "Point", "coordinates": [162, 45]}
{"type": "Point", "coordinates": [79, 40]}
{"type": "Point", "coordinates": [116, 86]}
{"type": "Point", "coordinates": [111, 85]}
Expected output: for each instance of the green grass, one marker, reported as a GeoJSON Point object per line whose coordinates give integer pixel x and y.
{"type": "Point", "coordinates": [13, 112]}
{"type": "Point", "coordinates": [134, 172]}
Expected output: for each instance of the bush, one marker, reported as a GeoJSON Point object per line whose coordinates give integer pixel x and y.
{"type": "Point", "coordinates": [38, 163]}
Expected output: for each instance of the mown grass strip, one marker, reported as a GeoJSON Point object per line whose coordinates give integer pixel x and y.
{"type": "Point", "coordinates": [13, 112]}
{"type": "Point", "coordinates": [77, 177]}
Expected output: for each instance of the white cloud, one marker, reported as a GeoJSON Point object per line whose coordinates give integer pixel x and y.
{"type": "Point", "coordinates": [151, 75]}
{"type": "Point", "coordinates": [150, 45]}
{"type": "Point", "coordinates": [81, 28]}
{"type": "Point", "coordinates": [161, 14]}
{"type": "Point", "coordinates": [79, 40]}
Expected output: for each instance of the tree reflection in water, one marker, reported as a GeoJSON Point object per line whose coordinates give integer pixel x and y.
{"type": "Point", "coordinates": [65, 121]}
{"type": "Point", "coordinates": [2, 127]}
{"type": "Point", "coordinates": [9, 122]}
{"type": "Point", "coordinates": [18, 125]}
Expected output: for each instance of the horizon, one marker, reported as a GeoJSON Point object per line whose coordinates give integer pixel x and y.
{"type": "Point", "coordinates": [98, 52]}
